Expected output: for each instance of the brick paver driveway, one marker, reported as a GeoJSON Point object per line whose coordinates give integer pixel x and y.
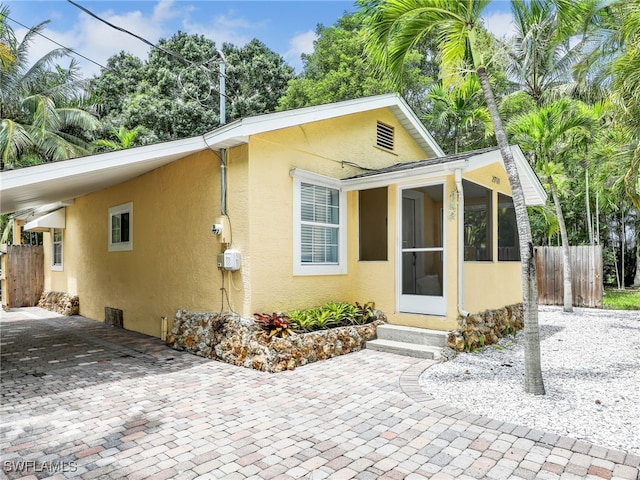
{"type": "Point", "coordinates": [80, 399]}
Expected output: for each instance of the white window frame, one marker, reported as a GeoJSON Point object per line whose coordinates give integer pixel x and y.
{"type": "Point", "coordinates": [300, 268]}
{"type": "Point", "coordinates": [58, 267]}
{"type": "Point", "coordinates": [119, 210]}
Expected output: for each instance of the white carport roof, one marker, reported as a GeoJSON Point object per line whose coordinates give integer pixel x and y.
{"type": "Point", "coordinates": [32, 187]}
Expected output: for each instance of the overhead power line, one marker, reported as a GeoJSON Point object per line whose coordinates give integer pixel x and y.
{"type": "Point", "coordinates": [139, 37]}
{"type": "Point", "coordinates": [57, 43]}
{"type": "Point", "coordinates": [151, 44]}
{"type": "Point", "coordinates": [124, 30]}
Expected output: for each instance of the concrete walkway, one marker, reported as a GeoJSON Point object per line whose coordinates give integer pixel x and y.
{"type": "Point", "coordinates": [82, 400]}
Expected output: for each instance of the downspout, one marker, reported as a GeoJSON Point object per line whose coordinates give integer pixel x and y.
{"type": "Point", "coordinates": [458, 178]}
{"type": "Point", "coordinates": [223, 151]}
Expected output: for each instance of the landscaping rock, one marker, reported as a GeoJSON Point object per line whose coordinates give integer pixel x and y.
{"type": "Point", "coordinates": [241, 341]}
{"type": "Point", "coordinates": [485, 328]}
{"type": "Point", "coordinates": [60, 302]}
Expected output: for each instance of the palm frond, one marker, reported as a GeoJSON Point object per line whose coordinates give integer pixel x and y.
{"type": "Point", "coordinates": [13, 139]}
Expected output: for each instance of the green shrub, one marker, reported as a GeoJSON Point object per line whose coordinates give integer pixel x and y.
{"type": "Point", "coordinates": [332, 314]}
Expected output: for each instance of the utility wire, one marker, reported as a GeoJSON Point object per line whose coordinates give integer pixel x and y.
{"type": "Point", "coordinates": [59, 44]}
{"type": "Point", "coordinates": [144, 40]}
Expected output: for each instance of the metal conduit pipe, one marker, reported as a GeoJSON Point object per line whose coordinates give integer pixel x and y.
{"type": "Point", "coordinates": [223, 120]}
{"type": "Point", "coordinates": [458, 178]}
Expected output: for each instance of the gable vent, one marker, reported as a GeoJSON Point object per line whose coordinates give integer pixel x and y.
{"type": "Point", "coordinates": [384, 136]}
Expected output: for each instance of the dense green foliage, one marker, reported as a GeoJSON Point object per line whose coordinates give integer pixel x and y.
{"type": "Point", "coordinates": [177, 95]}
{"type": "Point", "coordinates": [330, 315]}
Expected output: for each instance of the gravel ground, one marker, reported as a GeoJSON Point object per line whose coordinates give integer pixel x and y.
{"type": "Point", "coordinates": [591, 372]}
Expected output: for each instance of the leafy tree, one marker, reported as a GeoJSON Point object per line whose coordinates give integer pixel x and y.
{"type": "Point", "coordinates": [339, 69]}
{"type": "Point", "coordinates": [119, 79]}
{"type": "Point", "coordinates": [257, 78]}
{"type": "Point", "coordinates": [336, 70]}
{"type": "Point", "coordinates": [175, 93]}
{"type": "Point", "coordinates": [37, 122]}
{"type": "Point", "coordinates": [394, 28]}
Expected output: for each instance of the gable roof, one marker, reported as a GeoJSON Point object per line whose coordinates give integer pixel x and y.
{"type": "Point", "coordinates": [534, 193]}
{"type": "Point", "coordinates": [35, 186]}
{"type": "Point", "coordinates": [238, 132]}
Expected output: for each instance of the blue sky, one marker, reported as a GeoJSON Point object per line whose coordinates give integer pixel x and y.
{"type": "Point", "coordinates": [287, 27]}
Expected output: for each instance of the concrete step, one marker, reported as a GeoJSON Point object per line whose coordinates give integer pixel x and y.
{"type": "Point", "coordinates": [412, 335]}
{"type": "Point", "coordinates": [402, 348]}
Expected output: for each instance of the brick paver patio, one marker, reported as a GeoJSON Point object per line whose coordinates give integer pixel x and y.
{"type": "Point", "coordinates": [82, 400]}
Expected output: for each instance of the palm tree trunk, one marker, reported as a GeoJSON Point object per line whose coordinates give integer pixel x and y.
{"type": "Point", "coordinates": [636, 277]}
{"type": "Point", "coordinates": [623, 246]}
{"type": "Point", "coordinates": [533, 382]}
{"type": "Point", "coordinates": [566, 258]}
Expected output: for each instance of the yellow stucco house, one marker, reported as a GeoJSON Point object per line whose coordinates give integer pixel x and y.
{"type": "Point", "coordinates": [350, 201]}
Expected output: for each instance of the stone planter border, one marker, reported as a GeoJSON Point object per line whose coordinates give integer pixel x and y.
{"type": "Point", "coordinates": [485, 328]}
{"type": "Point", "coordinates": [242, 342]}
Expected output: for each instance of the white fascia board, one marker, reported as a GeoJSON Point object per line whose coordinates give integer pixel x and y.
{"type": "Point", "coordinates": [420, 128]}
{"type": "Point", "coordinates": [537, 194]}
{"type": "Point", "coordinates": [385, 179]}
{"type": "Point", "coordinates": [242, 129]}
{"type": "Point", "coordinates": [238, 132]}
{"type": "Point", "coordinates": [533, 189]}
{"type": "Point", "coordinates": [47, 172]}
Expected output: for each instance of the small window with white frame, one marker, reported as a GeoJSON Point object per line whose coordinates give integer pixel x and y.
{"type": "Point", "coordinates": [319, 226]}
{"type": "Point", "coordinates": [121, 228]}
{"type": "Point", "coordinates": [57, 237]}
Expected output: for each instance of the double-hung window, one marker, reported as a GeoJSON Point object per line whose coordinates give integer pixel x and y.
{"type": "Point", "coordinates": [56, 250]}
{"type": "Point", "coordinates": [319, 226]}
{"type": "Point", "coordinates": [121, 228]}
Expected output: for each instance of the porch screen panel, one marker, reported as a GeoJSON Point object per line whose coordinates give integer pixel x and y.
{"type": "Point", "coordinates": [478, 244]}
{"type": "Point", "coordinates": [508, 241]}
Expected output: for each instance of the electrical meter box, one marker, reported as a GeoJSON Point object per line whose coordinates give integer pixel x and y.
{"type": "Point", "coordinates": [232, 260]}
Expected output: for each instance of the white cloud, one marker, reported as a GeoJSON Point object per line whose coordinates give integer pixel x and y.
{"type": "Point", "coordinates": [98, 41]}
{"type": "Point", "coordinates": [164, 11]}
{"type": "Point", "coordinates": [500, 24]}
{"type": "Point", "coordinates": [301, 43]}
{"type": "Point", "coordinates": [225, 28]}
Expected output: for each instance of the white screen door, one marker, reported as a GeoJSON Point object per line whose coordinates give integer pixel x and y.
{"type": "Point", "coordinates": [421, 285]}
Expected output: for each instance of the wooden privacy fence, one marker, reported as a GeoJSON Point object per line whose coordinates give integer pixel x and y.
{"type": "Point", "coordinates": [586, 270]}
{"type": "Point", "coordinates": [22, 275]}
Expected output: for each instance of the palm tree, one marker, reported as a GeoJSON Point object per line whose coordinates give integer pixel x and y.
{"type": "Point", "coordinates": [613, 65]}
{"type": "Point", "coordinates": [541, 55]}
{"type": "Point", "coordinates": [394, 27]}
{"type": "Point", "coordinates": [36, 125]}
{"type": "Point", "coordinates": [124, 138]}
{"type": "Point", "coordinates": [456, 110]}
{"type": "Point", "coordinates": [6, 34]}
{"type": "Point", "coordinates": [545, 133]}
